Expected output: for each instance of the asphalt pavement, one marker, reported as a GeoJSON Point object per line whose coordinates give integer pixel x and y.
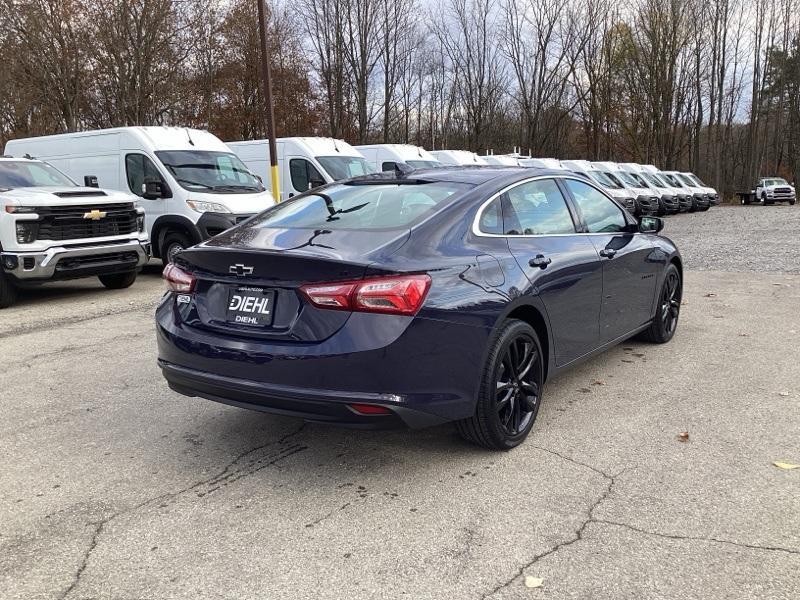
{"type": "Point", "coordinates": [114, 487]}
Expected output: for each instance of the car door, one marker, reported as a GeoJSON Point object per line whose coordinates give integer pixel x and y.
{"type": "Point", "coordinates": [631, 262]}
{"type": "Point", "coordinates": [562, 266]}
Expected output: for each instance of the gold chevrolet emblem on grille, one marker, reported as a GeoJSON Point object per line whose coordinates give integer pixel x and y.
{"type": "Point", "coordinates": [94, 215]}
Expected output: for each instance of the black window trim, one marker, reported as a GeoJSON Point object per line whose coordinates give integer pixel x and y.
{"type": "Point", "coordinates": [580, 224]}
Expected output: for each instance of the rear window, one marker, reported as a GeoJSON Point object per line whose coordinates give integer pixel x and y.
{"type": "Point", "coordinates": [362, 206]}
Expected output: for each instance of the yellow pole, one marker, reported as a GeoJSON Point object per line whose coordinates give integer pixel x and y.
{"type": "Point", "coordinates": [266, 74]}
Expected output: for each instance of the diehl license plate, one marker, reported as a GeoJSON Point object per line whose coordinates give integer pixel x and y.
{"type": "Point", "coordinates": [250, 306]}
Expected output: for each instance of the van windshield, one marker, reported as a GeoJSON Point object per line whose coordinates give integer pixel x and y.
{"type": "Point", "coordinates": [653, 180]}
{"type": "Point", "coordinates": [25, 173]}
{"type": "Point", "coordinates": [674, 180]}
{"type": "Point", "coordinates": [424, 164]}
{"type": "Point", "coordinates": [210, 172]}
{"type": "Point", "coordinates": [345, 167]}
{"type": "Point", "coordinates": [628, 179]}
{"type": "Point", "coordinates": [604, 180]}
{"type": "Point", "coordinates": [361, 206]}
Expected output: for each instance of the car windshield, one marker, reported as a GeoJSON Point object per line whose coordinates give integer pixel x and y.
{"type": "Point", "coordinates": [424, 164]}
{"type": "Point", "coordinates": [686, 181]}
{"type": "Point", "coordinates": [210, 172]}
{"type": "Point", "coordinates": [345, 167]}
{"type": "Point", "coordinates": [361, 206]}
{"type": "Point", "coordinates": [626, 178]}
{"type": "Point", "coordinates": [639, 179]}
{"type": "Point", "coordinates": [775, 181]}
{"type": "Point", "coordinates": [604, 180]}
{"type": "Point", "coordinates": [26, 173]}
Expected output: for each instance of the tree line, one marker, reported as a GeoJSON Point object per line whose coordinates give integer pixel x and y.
{"type": "Point", "coordinates": [711, 86]}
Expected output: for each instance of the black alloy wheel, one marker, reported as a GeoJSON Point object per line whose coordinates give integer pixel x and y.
{"type": "Point", "coordinates": [511, 390]}
{"type": "Point", "coordinates": [665, 322]}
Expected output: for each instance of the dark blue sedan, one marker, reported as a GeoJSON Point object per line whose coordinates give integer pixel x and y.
{"type": "Point", "coordinates": [416, 299]}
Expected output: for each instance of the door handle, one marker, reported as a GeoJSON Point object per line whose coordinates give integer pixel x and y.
{"type": "Point", "coordinates": [540, 261]}
{"type": "Point", "coordinates": [608, 252]}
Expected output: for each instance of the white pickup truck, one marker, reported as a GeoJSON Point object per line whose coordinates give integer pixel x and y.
{"type": "Point", "coordinates": [774, 189]}
{"type": "Point", "coordinates": [51, 229]}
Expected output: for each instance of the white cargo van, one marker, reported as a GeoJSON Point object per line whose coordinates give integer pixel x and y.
{"type": "Point", "coordinates": [668, 197]}
{"type": "Point", "coordinates": [501, 160]}
{"type": "Point", "coordinates": [456, 158]}
{"type": "Point", "coordinates": [384, 157]}
{"type": "Point", "coordinates": [189, 183]}
{"type": "Point", "coordinates": [700, 196]}
{"type": "Point", "coordinates": [303, 162]}
{"type": "Point", "coordinates": [612, 188]}
{"type": "Point", "coordinates": [542, 163]}
{"type": "Point", "coordinates": [647, 199]}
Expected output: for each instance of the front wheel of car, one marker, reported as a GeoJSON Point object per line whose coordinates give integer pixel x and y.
{"type": "Point", "coordinates": [118, 281]}
{"type": "Point", "coordinates": [665, 322]}
{"type": "Point", "coordinates": [511, 389]}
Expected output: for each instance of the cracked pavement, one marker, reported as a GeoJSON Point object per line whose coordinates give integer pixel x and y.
{"type": "Point", "coordinates": [114, 487]}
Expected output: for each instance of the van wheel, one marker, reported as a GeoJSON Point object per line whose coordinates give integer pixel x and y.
{"type": "Point", "coordinates": [510, 392]}
{"type": "Point", "coordinates": [174, 242]}
{"type": "Point", "coordinates": [8, 291]}
{"type": "Point", "coordinates": [118, 281]}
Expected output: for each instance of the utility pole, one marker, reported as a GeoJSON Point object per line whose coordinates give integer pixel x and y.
{"type": "Point", "coordinates": [269, 117]}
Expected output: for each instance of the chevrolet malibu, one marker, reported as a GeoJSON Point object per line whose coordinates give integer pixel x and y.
{"type": "Point", "coordinates": [416, 298]}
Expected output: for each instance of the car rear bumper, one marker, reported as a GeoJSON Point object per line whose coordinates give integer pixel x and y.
{"type": "Point", "coordinates": [426, 371]}
{"type": "Point", "coordinates": [69, 262]}
{"type": "Point", "coordinates": [321, 406]}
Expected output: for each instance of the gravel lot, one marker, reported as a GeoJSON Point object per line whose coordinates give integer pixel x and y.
{"type": "Point", "coordinates": [739, 238]}
{"type": "Point", "coordinates": [112, 487]}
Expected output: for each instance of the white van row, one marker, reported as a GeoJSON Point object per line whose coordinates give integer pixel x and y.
{"type": "Point", "coordinates": [193, 186]}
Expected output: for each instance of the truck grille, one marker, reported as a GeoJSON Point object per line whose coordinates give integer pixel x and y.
{"type": "Point", "coordinates": [75, 263]}
{"type": "Point", "coordinates": [69, 223]}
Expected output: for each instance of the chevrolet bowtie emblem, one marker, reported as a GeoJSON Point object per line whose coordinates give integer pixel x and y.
{"type": "Point", "coordinates": [94, 215]}
{"type": "Point", "coordinates": [240, 270]}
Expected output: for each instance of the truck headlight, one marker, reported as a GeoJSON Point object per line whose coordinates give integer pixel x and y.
{"type": "Point", "coordinates": [203, 206]}
{"type": "Point", "coordinates": [26, 232]}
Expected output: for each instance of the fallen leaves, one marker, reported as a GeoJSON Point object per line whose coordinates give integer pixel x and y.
{"type": "Point", "coordinates": [786, 466]}
{"type": "Point", "coordinates": [784, 394]}
{"type": "Point", "coordinates": [683, 436]}
{"type": "Point", "coordinates": [598, 382]}
{"type": "Point", "coordinates": [709, 295]}
{"type": "Point", "coordinates": [533, 582]}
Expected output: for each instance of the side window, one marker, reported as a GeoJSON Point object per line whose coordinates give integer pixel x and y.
{"type": "Point", "coordinates": [388, 166]}
{"type": "Point", "coordinates": [492, 219]}
{"type": "Point", "coordinates": [600, 213]}
{"type": "Point", "coordinates": [304, 175]}
{"type": "Point", "coordinates": [536, 208]}
{"type": "Point", "coordinates": [138, 169]}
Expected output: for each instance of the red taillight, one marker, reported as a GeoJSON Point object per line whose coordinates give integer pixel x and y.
{"type": "Point", "coordinates": [397, 295]}
{"type": "Point", "coordinates": [370, 409]}
{"type": "Point", "coordinates": [178, 280]}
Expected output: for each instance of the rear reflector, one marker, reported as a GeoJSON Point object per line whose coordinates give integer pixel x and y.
{"type": "Point", "coordinates": [370, 409]}
{"type": "Point", "coordinates": [177, 279]}
{"type": "Point", "coordinates": [397, 294]}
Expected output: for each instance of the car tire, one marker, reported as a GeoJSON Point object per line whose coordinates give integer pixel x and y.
{"type": "Point", "coordinates": [510, 391]}
{"type": "Point", "coordinates": [173, 243]}
{"type": "Point", "coordinates": [8, 291]}
{"type": "Point", "coordinates": [665, 323]}
{"type": "Point", "coordinates": [766, 201]}
{"type": "Point", "coordinates": [118, 281]}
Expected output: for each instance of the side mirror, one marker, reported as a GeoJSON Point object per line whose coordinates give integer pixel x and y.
{"type": "Point", "coordinates": [152, 189]}
{"type": "Point", "coordinates": [90, 181]}
{"type": "Point", "coordinates": [315, 183]}
{"type": "Point", "coordinates": [651, 224]}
